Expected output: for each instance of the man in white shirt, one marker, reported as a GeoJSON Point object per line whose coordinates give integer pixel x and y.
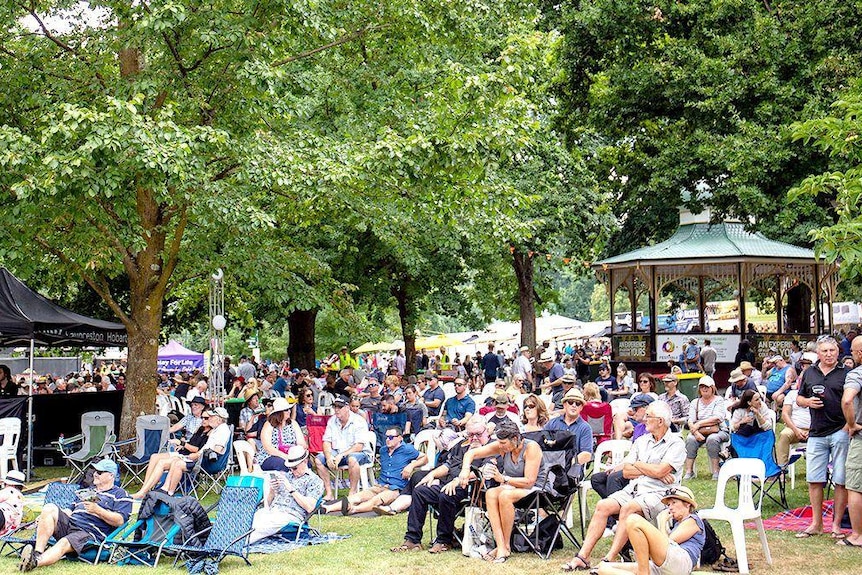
{"type": "Point", "coordinates": [522, 366]}
{"type": "Point", "coordinates": [344, 446]}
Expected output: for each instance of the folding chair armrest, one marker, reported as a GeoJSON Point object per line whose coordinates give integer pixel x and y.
{"type": "Point", "coordinates": [122, 443]}
{"type": "Point", "coordinates": [195, 535]}
{"type": "Point", "coordinates": [66, 442]}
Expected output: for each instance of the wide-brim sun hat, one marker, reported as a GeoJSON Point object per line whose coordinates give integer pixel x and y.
{"type": "Point", "coordinates": [682, 493]}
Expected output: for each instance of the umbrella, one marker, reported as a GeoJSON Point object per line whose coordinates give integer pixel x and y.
{"type": "Point", "coordinates": [436, 341]}
{"type": "Point", "coordinates": [366, 347]}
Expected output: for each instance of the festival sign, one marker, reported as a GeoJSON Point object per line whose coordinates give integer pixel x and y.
{"type": "Point", "coordinates": [632, 347]}
{"type": "Point", "coordinates": [670, 345]}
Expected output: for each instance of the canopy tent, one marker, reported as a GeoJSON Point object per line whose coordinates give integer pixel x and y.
{"type": "Point", "coordinates": [175, 357]}
{"type": "Point", "coordinates": [26, 316]}
{"type": "Point", "coordinates": [29, 318]}
{"type": "Point", "coordinates": [436, 341]}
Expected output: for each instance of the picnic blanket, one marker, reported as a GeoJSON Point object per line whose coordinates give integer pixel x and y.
{"type": "Point", "coordinates": [797, 519]}
{"type": "Point", "coordinates": [276, 544]}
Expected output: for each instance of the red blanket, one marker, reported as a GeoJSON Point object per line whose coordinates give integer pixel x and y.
{"type": "Point", "coordinates": [797, 519]}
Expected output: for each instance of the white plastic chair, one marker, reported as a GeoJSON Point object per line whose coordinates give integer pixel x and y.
{"type": "Point", "coordinates": [424, 443]}
{"type": "Point", "coordinates": [366, 471]}
{"type": "Point", "coordinates": [800, 451]}
{"type": "Point", "coordinates": [620, 405]}
{"type": "Point", "coordinates": [244, 452]}
{"type": "Point", "coordinates": [324, 403]}
{"type": "Point", "coordinates": [615, 450]}
{"type": "Point", "coordinates": [10, 435]}
{"type": "Point", "coordinates": [748, 470]}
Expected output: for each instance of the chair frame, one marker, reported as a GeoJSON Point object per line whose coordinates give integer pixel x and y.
{"type": "Point", "coordinates": [137, 462]}
{"type": "Point", "coordinates": [80, 459]}
{"type": "Point", "coordinates": [10, 435]}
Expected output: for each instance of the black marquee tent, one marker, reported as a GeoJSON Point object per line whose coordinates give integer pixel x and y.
{"type": "Point", "coordinates": [27, 318]}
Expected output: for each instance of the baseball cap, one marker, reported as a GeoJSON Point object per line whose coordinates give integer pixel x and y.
{"type": "Point", "coordinates": [641, 401]}
{"type": "Point", "coordinates": [707, 381]}
{"type": "Point", "coordinates": [219, 411]}
{"type": "Point", "coordinates": [501, 397]}
{"type": "Point", "coordinates": [106, 466]}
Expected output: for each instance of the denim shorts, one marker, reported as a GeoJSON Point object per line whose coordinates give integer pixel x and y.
{"type": "Point", "coordinates": [822, 451]}
{"type": "Point", "coordinates": [361, 458]}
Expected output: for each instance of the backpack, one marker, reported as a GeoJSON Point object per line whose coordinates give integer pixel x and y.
{"type": "Point", "coordinates": [547, 528]}
{"type": "Point", "coordinates": [712, 547]}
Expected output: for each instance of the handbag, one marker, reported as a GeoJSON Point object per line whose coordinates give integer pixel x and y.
{"type": "Point", "coordinates": [282, 446]}
{"type": "Point", "coordinates": [706, 430]}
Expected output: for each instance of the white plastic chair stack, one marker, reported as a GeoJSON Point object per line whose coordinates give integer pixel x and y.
{"type": "Point", "coordinates": [10, 434]}
{"type": "Point", "coordinates": [608, 454]}
{"type": "Point", "coordinates": [424, 443]}
{"type": "Point", "coordinates": [748, 470]}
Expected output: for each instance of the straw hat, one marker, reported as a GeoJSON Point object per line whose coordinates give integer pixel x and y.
{"type": "Point", "coordinates": [682, 493]}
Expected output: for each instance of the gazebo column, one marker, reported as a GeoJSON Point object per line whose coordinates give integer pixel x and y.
{"type": "Point", "coordinates": [653, 316]}
{"type": "Point", "coordinates": [633, 303]}
{"type": "Point", "coordinates": [740, 298]}
{"type": "Point", "coordinates": [818, 313]}
{"type": "Point", "coordinates": [779, 310]}
{"type": "Point", "coordinates": [701, 304]}
{"type": "Point", "coordinates": [613, 295]}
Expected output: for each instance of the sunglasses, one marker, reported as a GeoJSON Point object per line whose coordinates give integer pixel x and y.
{"type": "Point", "coordinates": [643, 381]}
{"type": "Point", "coordinates": [529, 406]}
{"type": "Point", "coordinates": [475, 435]}
{"type": "Point", "coordinates": [388, 437]}
{"type": "Point", "coordinates": [572, 401]}
{"type": "Point", "coordinates": [460, 384]}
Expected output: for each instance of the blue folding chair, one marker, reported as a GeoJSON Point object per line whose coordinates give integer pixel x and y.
{"type": "Point", "coordinates": [141, 542]}
{"type": "Point", "coordinates": [230, 531]}
{"type": "Point", "coordinates": [152, 434]}
{"type": "Point", "coordinates": [761, 446]}
{"type": "Point", "coordinates": [211, 474]}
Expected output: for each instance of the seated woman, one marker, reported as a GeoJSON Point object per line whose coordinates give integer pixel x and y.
{"type": "Point", "coordinates": [304, 405]}
{"type": "Point", "coordinates": [535, 414]}
{"type": "Point", "coordinates": [278, 434]}
{"type": "Point", "coordinates": [178, 449]}
{"type": "Point", "coordinates": [625, 381]}
{"type": "Point", "coordinates": [646, 386]}
{"type": "Point", "coordinates": [251, 410]}
{"type": "Point", "coordinates": [666, 550]}
{"type": "Point", "coordinates": [523, 473]}
{"type": "Point", "coordinates": [750, 415]}
{"type": "Point", "coordinates": [706, 421]}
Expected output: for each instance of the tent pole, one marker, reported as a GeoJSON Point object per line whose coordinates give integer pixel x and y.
{"type": "Point", "coordinates": [30, 417]}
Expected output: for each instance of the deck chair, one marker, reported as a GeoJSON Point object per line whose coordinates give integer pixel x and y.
{"type": "Point", "coordinates": [761, 446]}
{"type": "Point", "coordinates": [142, 541]}
{"type": "Point", "coordinates": [60, 494]}
{"type": "Point", "coordinates": [96, 437]}
{"type": "Point", "coordinates": [10, 435]}
{"type": "Point", "coordinates": [540, 518]}
{"type": "Point", "coordinates": [600, 416]}
{"type": "Point", "coordinates": [230, 531]}
{"type": "Point", "coordinates": [152, 434]}
{"type": "Point", "coordinates": [210, 475]}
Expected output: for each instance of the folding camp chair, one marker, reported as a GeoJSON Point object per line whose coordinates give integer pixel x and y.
{"type": "Point", "coordinates": [761, 446]}
{"type": "Point", "coordinates": [211, 474]}
{"type": "Point", "coordinates": [600, 416]}
{"type": "Point", "coordinates": [141, 542]}
{"type": "Point", "coordinates": [152, 434]}
{"type": "Point", "coordinates": [97, 433]}
{"type": "Point", "coordinates": [229, 534]}
{"type": "Point", "coordinates": [316, 425]}
{"type": "Point", "coordinates": [553, 503]}
{"type": "Point", "coordinates": [60, 494]}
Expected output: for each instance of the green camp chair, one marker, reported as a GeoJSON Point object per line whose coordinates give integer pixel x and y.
{"type": "Point", "coordinates": [96, 437]}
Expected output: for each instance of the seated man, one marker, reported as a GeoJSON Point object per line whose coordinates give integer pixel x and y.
{"type": "Point", "coordinates": [90, 520]}
{"type": "Point", "coordinates": [442, 488]}
{"type": "Point", "coordinates": [292, 497]}
{"type": "Point", "coordinates": [501, 411]}
{"type": "Point", "coordinates": [398, 460]}
{"type": "Point", "coordinates": [631, 425]}
{"type": "Point", "coordinates": [343, 446]}
{"type": "Point", "coordinates": [11, 502]}
{"type": "Point", "coordinates": [655, 461]}
{"type": "Point", "coordinates": [458, 410]}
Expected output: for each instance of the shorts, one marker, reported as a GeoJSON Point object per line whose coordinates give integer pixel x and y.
{"type": "Point", "coordinates": [823, 450]}
{"type": "Point", "coordinates": [361, 458]}
{"type": "Point", "coordinates": [650, 503]}
{"type": "Point", "coordinates": [77, 538]}
{"type": "Point", "coordinates": [676, 562]}
{"type": "Point", "coordinates": [853, 467]}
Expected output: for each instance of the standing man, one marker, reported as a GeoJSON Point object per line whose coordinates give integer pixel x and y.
{"type": "Point", "coordinates": [555, 373]}
{"type": "Point", "coordinates": [692, 357]}
{"type": "Point", "coordinates": [822, 391]}
{"type": "Point", "coordinates": [851, 405]}
{"type": "Point", "coordinates": [399, 362]}
{"type": "Point", "coordinates": [490, 363]}
{"type": "Point", "coordinates": [708, 355]}
{"type": "Point", "coordinates": [522, 366]}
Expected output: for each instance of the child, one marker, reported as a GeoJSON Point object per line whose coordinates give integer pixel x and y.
{"type": "Point", "coordinates": [11, 502]}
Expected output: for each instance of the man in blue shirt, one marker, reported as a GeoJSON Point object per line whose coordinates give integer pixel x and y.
{"type": "Point", "coordinates": [458, 410]}
{"type": "Point", "coordinates": [398, 461]}
{"type": "Point", "coordinates": [280, 385]}
{"type": "Point", "coordinates": [490, 363]}
{"type": "Point", "coordinates": [433, 396]}
{"type": "Point", "coordinates": [571, 421]}
{"type": "Point", "coordinates": [93, 517]}
{"type": "Point", "coordinates": [606, 382]}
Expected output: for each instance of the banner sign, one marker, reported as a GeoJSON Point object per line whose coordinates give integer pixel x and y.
{"type": "Point", "coordinates": [725, 344]}
{"type": "Point", "coordinates": [632, 347]}
{"type": "Point", "coordinates": [764, 343]}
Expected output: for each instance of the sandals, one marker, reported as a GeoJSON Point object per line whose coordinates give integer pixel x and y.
{"type": "Point", "coordinates": [440, 548]}
{"type": "Point", "coordinates": [572, 566]}
{"type": "Point", "coordinates": [806, 534]}
{"type": "Point", "coordinates": [838, 535]}
{"type": "Point", "coordinates": [383, 510]}
{"type": "Point", "coordinates": [407, 546]}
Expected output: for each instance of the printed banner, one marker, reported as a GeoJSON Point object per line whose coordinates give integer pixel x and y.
{"type": "Point", "coordinates": [633, 347]}
{"type": "Point", "coordinates": [725, 344]}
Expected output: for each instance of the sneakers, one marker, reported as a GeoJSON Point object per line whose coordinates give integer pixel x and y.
{"type": "Point", "coordinates": [29, 559]}
{"type": "Point", "coordinates": [688, 476]}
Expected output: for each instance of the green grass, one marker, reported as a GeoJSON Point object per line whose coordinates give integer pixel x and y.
{"type": "Point", "coordinates": [367, 550]}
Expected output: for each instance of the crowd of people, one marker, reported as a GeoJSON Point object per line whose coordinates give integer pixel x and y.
{"type": "Point", "coordinates": [815, 392]}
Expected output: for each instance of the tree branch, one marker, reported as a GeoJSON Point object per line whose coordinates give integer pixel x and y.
{"type": "Point", "coordinates": [99, 285]}
{"type": "Point", "coordinates": [170, 263]}
{"type": "Point", "coordinates": [128, 259]}
{"type": "Point", "coordinates": [343, 40]}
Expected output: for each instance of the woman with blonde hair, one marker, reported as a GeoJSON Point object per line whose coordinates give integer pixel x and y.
{"type": "Point", "coordinates": [592, 392]}
{"type": "Point", "coordinates": [535, 414]}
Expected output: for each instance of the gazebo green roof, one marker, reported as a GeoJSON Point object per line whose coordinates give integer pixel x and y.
{"type": "Point", "coordinates": [700, 242]}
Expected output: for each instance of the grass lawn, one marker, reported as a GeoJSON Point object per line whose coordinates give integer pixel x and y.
{"type": "Point", "coordinates": [367, 550]}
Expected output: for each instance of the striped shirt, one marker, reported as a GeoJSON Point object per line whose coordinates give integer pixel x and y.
{"type": "Point", "coordinates": [115, 499]}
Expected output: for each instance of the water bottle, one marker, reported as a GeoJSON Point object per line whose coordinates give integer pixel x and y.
{"type": "Point", "coordinates": [62, 437]}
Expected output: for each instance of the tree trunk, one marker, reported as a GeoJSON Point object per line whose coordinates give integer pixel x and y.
{"type": "Point", "coordinates": [140, 395]}
{"type": "Point", "coordinates": [407, 315]}
{"type": "Point", "coordinates": [523, 266]}
{"type": "Point", "coordinates": [300, 345]}
{"type": "Point", "coordinates": [798, 310]}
